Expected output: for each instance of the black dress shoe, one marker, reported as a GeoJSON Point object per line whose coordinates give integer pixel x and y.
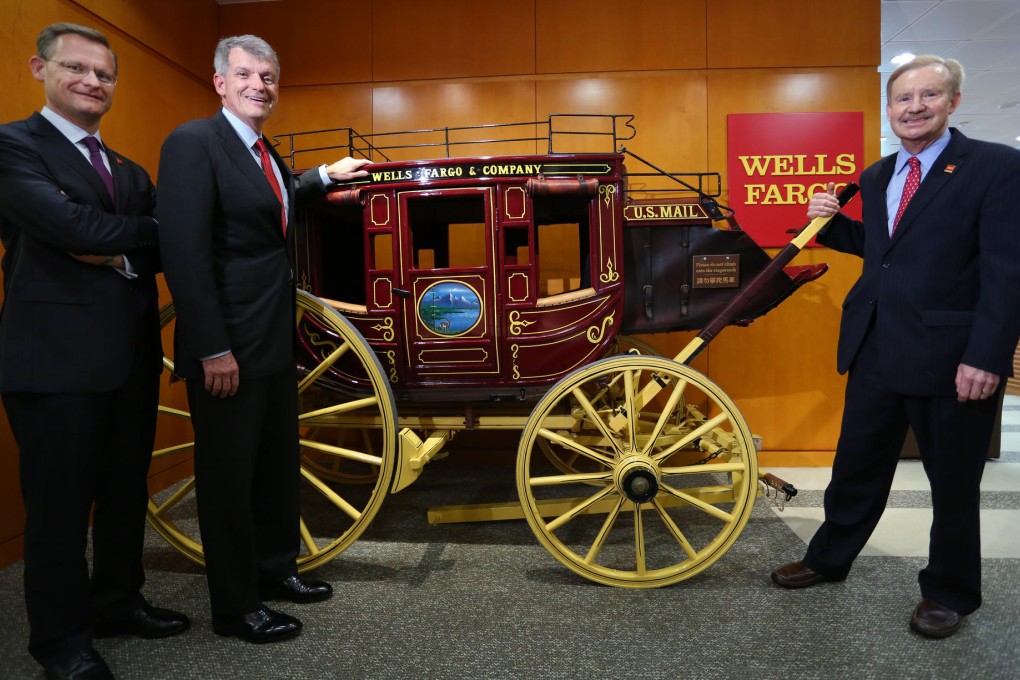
{"type": "Point", "coordinates": [933, 620]}
{"type": "Point", "coordinates": [87, 665]}
{"type": "Point", "coordinates": [145, 621]}
{"type": "Point", "coordinates": [298, 590]}
{"type": "Point", "coordinates": [261, 625]}
{"type": "Point", "coordinates": [799, 575]}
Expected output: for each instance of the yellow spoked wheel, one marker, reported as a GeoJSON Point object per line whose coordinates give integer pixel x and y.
{"type": "Point", "coordinates": [659, 499]}
{"type": "Point", "coordinates": [347, 425]}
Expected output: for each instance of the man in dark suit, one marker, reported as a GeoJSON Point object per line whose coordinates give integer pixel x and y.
{"type": "Point", "coordinates": [80, 356]}
{"type": "Point", "coordinates": [928, 333]}
{"type": "Point", "coordinates": [225, 203]}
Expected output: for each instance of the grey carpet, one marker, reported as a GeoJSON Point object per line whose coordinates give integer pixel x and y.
{"type": "Point", "coordinates": [487, 601]}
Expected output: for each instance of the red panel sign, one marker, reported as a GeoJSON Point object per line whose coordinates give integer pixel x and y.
{"type": "Point", "coordinates": [777, 160]}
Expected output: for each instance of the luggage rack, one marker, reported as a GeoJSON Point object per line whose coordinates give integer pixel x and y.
{"type": "Point", "coordinates": [609, 130]}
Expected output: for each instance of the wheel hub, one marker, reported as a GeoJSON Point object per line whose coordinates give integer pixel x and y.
{"type": "Point", "coordinates": [637, 478]}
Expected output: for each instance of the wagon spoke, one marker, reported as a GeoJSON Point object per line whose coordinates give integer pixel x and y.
{"type": "Point", "coordinates": [574, 446]}
{"type": "Point", "coordinates": [628, 387]}
{"type": "Point", "coordinates": [701, 469]}
{"type": "Point", "coordinates": [308, 539]}
{"type": "Point", "coordinates": [594, 417]}
{"type": "Point", "coordinates": [337, 409]}
{"type": "Point", "coordinates": [341, 452]}
{"type": "Point", "coordinates": [684, 441]}
{"type": "Point", "coordinates": [332, 496]}
{"type": "Point", "coordinates": [607, 525]}
{"type": "Point", "coordinates": [674, 530]}
{"type": "Point", "coordinates": [324, 366]}
{"type": "Point", "coordinates": [553, 480]}
{"type": "Point", "coordinates": [667, 412]}
{"type": "Point", "coordinates": [173, 449]}
{"type": "Point", "coordinates": [578, 509]}
{"type": "Point", "coordinates": [639, 540]}
{"type": "Point", "coordinates": [698, 503]}
{"type": "Point", "coordinates": [175, 497]}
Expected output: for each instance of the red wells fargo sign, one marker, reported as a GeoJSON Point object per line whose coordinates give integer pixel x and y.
{"type": "Point", "coordinates": [778, 160]}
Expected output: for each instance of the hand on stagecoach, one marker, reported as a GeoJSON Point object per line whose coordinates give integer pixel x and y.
{"type": "Point", "coordinates": [347, 169]}
{"type": "Point", "coordinates": [973, 384]}
{"type": "Point", "coordinates": [823, 204]}
{"type": "Point", "coordinates": [222, 376]}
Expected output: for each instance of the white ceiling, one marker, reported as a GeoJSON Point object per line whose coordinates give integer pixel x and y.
{"type": "Point", "coordinates": [984, 36]}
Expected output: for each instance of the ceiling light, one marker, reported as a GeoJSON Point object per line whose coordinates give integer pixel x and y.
{"type": "Point", "coordinates": [902, 58]}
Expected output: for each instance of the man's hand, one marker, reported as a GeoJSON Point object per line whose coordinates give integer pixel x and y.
{"type": "Point", "coordinates": [347, 169]}
{"type": "Point", "coordinates": [823, 204]}
{"type": "Point", "coordinates": [973, 383]}
{"type": "Point", "coordinates": [222, 376]}
{"type": "Point", "coordinates": [115, 261]}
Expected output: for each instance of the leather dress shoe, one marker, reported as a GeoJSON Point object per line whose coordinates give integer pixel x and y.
{"type": "Point", "coordinates": [145, 621]}
{"type": "Point", "coordinates": [259, 626]}
{"type": "Point", "coordinates": [87, 665]}
{"type": "Point", "coordinates": [934, 620]}
{"type": "Point", "coordinates": [298, 590]}
{"type": "Point", "coordinates": [798, 575]}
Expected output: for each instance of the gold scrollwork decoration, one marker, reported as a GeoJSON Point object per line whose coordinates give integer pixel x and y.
{"type": "Point", "coordinates": [597, 332]}
{"type": "Point", "coordinates": [517, 370]}
{"type": "Point", "coordinates": [386, 328]}
{"type": "Point", "coordinates": [608, 191]}
{"type": "Point", "coordinates": [610, 274]}
{"type": "Point", "coordinates": [518, 325]}
{"type": "Point", "coordinates": [391, 357]}
{"type": "Point", "coordinates": [326, 347]}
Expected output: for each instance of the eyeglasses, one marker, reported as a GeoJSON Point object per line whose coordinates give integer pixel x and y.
{"type": "Point", "coordinates": [82, 71]}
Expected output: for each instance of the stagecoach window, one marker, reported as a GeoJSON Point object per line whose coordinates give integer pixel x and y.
{"type": "Point", "coordinates": [515, 246]}
{"type": "Point", "coordinates": [336, 250]}
{"type": "Point", "coordinates": [382, 251]}
{"type": "Point", "coordinates": [562, 239]}
{"type": "Point", "coordinates": [447, 232]}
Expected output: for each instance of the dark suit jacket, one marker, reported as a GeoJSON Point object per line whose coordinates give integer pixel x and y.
{"type": "Point", "coordinates": [226, 259]}
{"type": "Point", "coordinates": [945, 289]}
{"type": "Point", "coordinates": [67, 326]}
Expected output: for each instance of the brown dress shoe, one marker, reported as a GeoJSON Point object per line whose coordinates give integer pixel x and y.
{"type": "Point", "coordinates": [933, 620]}
{"type": "Point", "coordinates": [797, 575]}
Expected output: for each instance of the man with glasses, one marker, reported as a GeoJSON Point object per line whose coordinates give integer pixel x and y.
{"type": "Point", "coordinates": [80, 357]}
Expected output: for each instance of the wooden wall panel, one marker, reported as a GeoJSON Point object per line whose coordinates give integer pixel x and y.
{"type": "Point", "coordinates": [317, 41]}
{"type": "Point", "coordinates": [159, 26]}
{"type": "Point", "coordinates": [452, 39]}
{"type": "Point", "coordinates": [307, 109]}
{"type": "Point", "coordinates": [669, 113]}
{"type": "Point", "coordinates": [583, 36]}
{"type": "Point", "coordinates": [799, 33]}
{"type": "Point", "coordinates": [434, 105]}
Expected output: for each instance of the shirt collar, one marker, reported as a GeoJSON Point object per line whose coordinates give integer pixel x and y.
{"type": "Point", "coordinates": [73, 133]}
{"type": "Point", "coordinates": [247, 135]}
{"type": "Point", "coordinates": [927, 157]}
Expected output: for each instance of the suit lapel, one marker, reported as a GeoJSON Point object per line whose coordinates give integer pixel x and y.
{"type": "Point", "coordinates": [242, 157]}
{"type": "Point", "coordinates": [54, 145]}
{"type": "Point", "coordinates": [940, 173]}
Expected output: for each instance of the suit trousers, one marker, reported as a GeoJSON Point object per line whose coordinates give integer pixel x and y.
{"type": "Point", "coordinates": [247, 487]}
{"type": "Point", "coordinates": [953, 440]}
{"type": "Point", "coordinates": [76, 450]}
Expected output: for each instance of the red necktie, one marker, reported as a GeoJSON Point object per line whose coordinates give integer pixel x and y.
{"type": "Point", "coordinates": [97, 162]}
{"type": "Point", "coordinates": [909, 187]}
{"type": "Point", "coordinates": [267, 167]}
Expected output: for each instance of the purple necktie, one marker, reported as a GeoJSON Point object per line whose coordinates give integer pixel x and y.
{"type": "Point", "coordinates": [97, 162]}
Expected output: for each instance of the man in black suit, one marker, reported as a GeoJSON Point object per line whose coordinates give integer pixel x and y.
{"type": "Point", "coordinates": [225, 202]}
{"type": "Point", "coordinates": [80, 356]}
{"type": "Point", "coordinates": [928, 333]}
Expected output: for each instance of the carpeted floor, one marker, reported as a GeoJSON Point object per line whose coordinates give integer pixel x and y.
{"type": "Point", "coordinates": [487, 601]}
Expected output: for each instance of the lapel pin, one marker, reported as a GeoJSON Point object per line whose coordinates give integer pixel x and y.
{"type": "Point", "coordinates": [949, 169]}
{"type": "Point", "coordinates": [120, 161]}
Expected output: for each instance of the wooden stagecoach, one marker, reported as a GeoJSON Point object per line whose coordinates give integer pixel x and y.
{"type": "Point", "coordinates": [497, 293]}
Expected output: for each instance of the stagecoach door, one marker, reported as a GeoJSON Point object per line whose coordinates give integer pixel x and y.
{"type": "Point", "coordinates": [447, 283]}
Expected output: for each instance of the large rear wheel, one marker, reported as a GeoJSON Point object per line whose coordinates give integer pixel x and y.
{"type": "Point", "coordinates": [347, 425]}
